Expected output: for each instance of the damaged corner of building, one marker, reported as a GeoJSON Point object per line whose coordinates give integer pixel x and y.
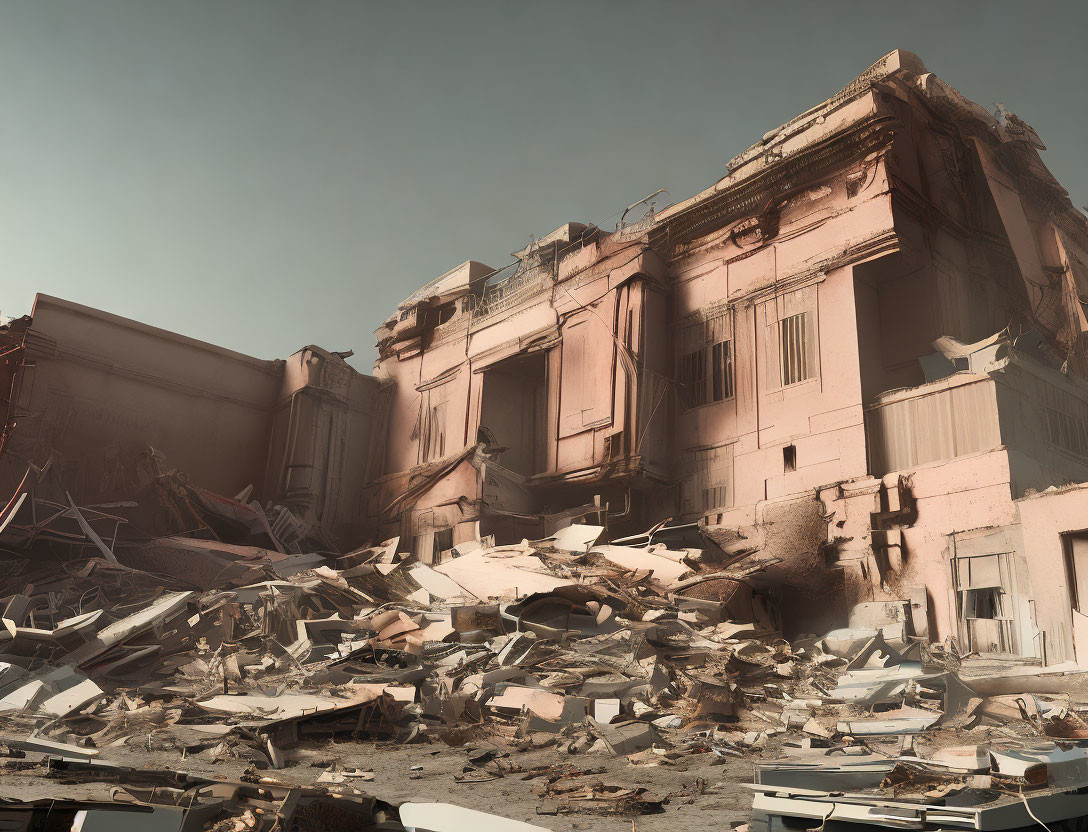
{"type": "Point", "coordinates": [791, 476]}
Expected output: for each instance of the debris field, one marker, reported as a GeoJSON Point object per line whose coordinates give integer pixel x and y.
{"type": "Point", "coordinates": [849, 379]}
{"type": "Point", "coordinates": [566, 682]}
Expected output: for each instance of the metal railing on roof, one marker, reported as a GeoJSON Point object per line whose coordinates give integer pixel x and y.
{"type": "Point", "coordinates": [511, 291]}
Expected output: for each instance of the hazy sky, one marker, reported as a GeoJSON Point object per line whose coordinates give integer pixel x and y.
{"type": "Point", "coordinates": [265, 174]}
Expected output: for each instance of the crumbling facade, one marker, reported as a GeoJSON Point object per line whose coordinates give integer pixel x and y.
{"type": "Point", "coordinates": [679, 494]}
{"type": "Point", "coordinates": [110, 410]}
{"type": "Point", "coordinates": [860, 354]}
{"type": "Point", "coordinates": [861, 351]}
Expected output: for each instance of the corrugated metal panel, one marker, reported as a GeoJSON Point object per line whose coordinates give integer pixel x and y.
{"type": "Point", "coordinates": [941, 425]}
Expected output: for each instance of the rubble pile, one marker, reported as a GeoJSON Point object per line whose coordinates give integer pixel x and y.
{"type": "Point", "coordinates": [656, 654]}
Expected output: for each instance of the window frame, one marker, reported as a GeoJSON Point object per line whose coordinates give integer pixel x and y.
{"type": "Point", "coordinates": [795, 345]}
{"type": "Point", "coordinates": [434, 438]}
{"type": "Point", "coordinates": [707, 484]}
{"type": "Point", "coordinates": [699, 389]}
{"type": "Point", "coordinates": [1067, 432]}
{"type": "Point", "coordinates": [773, 316]}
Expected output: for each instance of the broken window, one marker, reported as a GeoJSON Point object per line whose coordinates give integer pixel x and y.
{"type": "Point", "coordinates": [705, 372]}
{"type": "Point", "coordinates": [613, 445]}
{"type": "Point", "coordinates": [1068, 429]}
{"type": "Point", "coordinates": [443, 542]}
{"type": "Point", "coordinates": [989, 627]}
{"type": "Point", "coordinates": [693, 378]}
{"type": "Point", "coordinates": [722, 370]}
{"type": "Point", "coordinates": [795, 360]}
{"type": "Point", "coordinates": [984, 596]}
{"type": "Point", "coordinates": [708, 481]}
{"type": "Point", "coordinates": [434, 434]}
{"type": "Point", "coordinates": [984, 603]}
{"type": "Point", "coordinates": [445, 313]}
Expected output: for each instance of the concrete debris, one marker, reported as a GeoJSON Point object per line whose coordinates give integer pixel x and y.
{"type": "Point", "coordinates": [587, 652]}
{"type": "Point", "coordinates": [576, 538]}
{"type": "Point", "coordinates": [692, 492]}
{"type": "Point", "coordinates": [450, 818]}
{"type": "Point", "coordinates": [179, 802]}
{"type": "Point", "coordinates": [975, 788]}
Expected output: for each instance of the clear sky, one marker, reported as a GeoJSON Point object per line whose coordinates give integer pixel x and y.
{"type": "Point", "coordinates": [265, 174]}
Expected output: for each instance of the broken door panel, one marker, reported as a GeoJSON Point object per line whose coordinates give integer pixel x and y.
{"type": "Point", "coordinates": [586, 383]}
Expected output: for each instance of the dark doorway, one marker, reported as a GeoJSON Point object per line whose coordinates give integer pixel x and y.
{"type": "Point", "coordinates": [514, 416]}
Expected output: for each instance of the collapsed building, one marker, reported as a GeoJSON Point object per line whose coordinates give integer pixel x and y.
{"type": "Point", "coordinates": [795, 467]}
{"type": "Point", "coordinates": [860, 352]}
{"type": "Point", "coordinates": [110, 411]}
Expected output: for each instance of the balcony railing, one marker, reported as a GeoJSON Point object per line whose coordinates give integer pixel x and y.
{"type": "Point", "coordinates": [506, 294]}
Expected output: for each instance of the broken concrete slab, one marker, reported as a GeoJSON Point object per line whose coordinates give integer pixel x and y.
{"type": "Point", "coordinates": [575, 538]}
{"type": "Point", "coordinates": [493, 576]}
{"type": "Point", "coordinates": [624, 738]}
{"type": "Point", "coordinates": [446, 817]}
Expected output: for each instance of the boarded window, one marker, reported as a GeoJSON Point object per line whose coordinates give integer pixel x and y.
{"type": "Point", "coordinates": [431, 543]}
{"type": "Point", "coordinates": [796, 363]}
{"type": "Point", "coordinates": [572, 394]}
{"type": "Point", "coordinates": [423, 546]}
{"type": "Point", "coordinates": [705, 362]}
{"type": "Point", "coordinates": [982, 572]}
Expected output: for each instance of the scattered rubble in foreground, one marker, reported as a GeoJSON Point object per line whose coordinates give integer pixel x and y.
{"type": "Point", "coordinates": [652, 654]}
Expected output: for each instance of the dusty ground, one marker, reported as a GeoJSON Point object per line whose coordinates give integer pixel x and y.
{"type": "Point", "coordinates": [724, 801]}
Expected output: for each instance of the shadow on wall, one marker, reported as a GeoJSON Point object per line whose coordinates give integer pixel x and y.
{"type": "Point", "coordinates": [812, 598]}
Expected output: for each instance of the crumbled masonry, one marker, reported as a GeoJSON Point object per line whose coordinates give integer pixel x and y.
{"type": "Point", "coordinates": [766, 510]}
{"type": "Point", "coordinates": [592, 650]}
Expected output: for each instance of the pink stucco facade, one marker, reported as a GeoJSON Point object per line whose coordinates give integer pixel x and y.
{"type": "Point", "coordinates": [90, 395]}
{"type": "Point", "coordinates": [868, 332]}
